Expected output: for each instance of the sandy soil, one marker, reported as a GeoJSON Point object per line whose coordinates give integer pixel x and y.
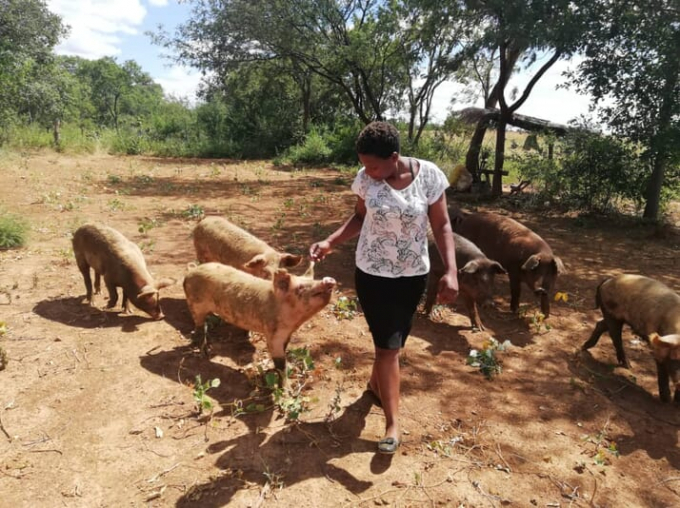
{"type": "Point", "coordinates": [97, 408]}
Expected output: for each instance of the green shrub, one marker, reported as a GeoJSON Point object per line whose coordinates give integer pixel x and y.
{"type": "Point", "coordinates": [314, 149]}
{"type": "Point", "coordinates": [12, 231]}
{"type": "Point", "coordinates": [593, 172]}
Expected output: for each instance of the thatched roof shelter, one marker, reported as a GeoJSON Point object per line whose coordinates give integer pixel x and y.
{"type": "Point", "coordinates": [475, 115]}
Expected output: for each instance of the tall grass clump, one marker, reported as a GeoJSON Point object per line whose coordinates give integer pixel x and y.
{"type": "Point", "coordinates": [13, 231]}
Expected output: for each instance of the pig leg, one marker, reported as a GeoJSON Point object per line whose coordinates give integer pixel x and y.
{"type": "Point", "coordinates": [600, 328]}
{"type": "Point", "coordinates": [673, 369]}
{"type": "Point", "coordinates": [471, 306]}
{"type": "Point", "coordinates": [430, 296]}
{"type": "Point", "coordinates": [277, 350]}
{"type": "Point", "coordinates": [113, 294]}
{"type": "Point", "coordinates": [615, 327]}
{"type": "Point", "coordinates": [126, 304]}
{"type": "Point", "coordinates": [85, 270]}
{"type": "Point", "coordinates": [545, 304]}
{"type": "Point", "coordinates": [200, 335]}
{"type": "Point", "coordinates": [97, 283]}
{"type": "Point", "coordinates": [662, 376]}
{"type": "Point", "coordinates": [515, 292]}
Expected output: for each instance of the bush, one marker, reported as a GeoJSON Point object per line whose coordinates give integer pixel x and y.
{"type": "Point", "coordinates": [12, 231]}
{"type": "Point", "coordinates": [593, 172]}
{"type": "Point", "coordinates": [314, 149]}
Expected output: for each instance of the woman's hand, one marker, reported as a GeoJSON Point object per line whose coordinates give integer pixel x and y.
{"type": "Point", "coordinates": [447, 292]}
{"type": "Point", "coordinates": [319, 250]}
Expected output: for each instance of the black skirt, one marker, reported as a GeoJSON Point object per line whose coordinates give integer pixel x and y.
{"type": "Point", "coordinates": [389, 305]}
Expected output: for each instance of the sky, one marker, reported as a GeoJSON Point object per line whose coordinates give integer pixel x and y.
{"type": "Point", "coordinates": [117, 28]}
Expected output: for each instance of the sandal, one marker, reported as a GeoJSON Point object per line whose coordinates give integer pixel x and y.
{"type": "Point", "coordinates": [388, 445]}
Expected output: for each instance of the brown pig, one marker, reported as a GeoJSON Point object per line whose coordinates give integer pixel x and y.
{"type": "Point", "coordinates": [476, 274]}
{"type": "Point", "coordinates": [525, 255]}
{"type": "Point", "coordinates": [217, 239]}
{"type": "Point", "coordinates": [121, 262]}
{"type": "Point", "coordinates": [652, 310]}
{"type": "Point", "coordinates": [274, 308]}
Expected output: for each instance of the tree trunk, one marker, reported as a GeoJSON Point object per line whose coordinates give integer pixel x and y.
{"type": "Point", "coordinates": [652, 206]}
{"type": "Point", "coordinates": [56, 132]}
{"type": "Point", "coordinates": [497, 183]}
{"type": "Point", "coordinates": [477, 139]}
{"type": "Point", "coordinates": [472, 156]}
{"type": "Point", "coordinates": [306, 107]}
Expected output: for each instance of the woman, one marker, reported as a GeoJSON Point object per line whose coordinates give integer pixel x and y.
{"type": "Point", "coordinates": [396, 198]}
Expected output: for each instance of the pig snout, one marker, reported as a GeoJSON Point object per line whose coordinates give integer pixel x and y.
{"type": "Point", "coordinates": [328, 283]}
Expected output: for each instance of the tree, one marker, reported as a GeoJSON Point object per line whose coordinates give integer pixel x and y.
{"type": "Point", "coordinates": [118, 90]}
{"type": "Point", "coordinates": [28, 32]}
{"type": "Point", "coordinates": [633, 59]}
{"type": "Point", "coordinates": [50, 94]}
{"type": "Point", "coordinates": [521, 30]}
{"type": "Point", "coordinates": [379, 54]}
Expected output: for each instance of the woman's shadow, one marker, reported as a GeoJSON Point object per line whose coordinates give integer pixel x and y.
{"type": "Point", "coordinates": [291, 455]}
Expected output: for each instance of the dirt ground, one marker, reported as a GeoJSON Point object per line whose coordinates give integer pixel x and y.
{"type": "Point", "coordinates": [97, 408]}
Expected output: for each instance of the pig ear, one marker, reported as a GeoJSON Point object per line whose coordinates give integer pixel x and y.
{"type": "Point", "coordinates": [532, 262]}
{"type": "Point", "coordinates": [498, 267]}
{"type": "Point", "coordinates": [668, 340]}
{"type": "Point", "coordinates": [146, 291]}
{"type": "Point", "coordinates": [666, 347]}
{"type": "Point", "coordinates": [281, 280]}
{"type": "Point", "coordinates": [288, 260]}
{"type": "Point", "coordinates": [165, 282]}
{"type": "Point", "coordinates": [257, 262]}
{"type": "Point", "coordinates": [470, 267]}
{"type": "Point", "coordinates": [561, 270]}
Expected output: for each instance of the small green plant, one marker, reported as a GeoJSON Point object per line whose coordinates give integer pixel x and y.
{"type": "Point", "coordinates": [143, 180]}
{"type": "Point", "coordinates": [3, 353]}
{"type": "Point", "coordinates": [289, 399]}
{"type": "Point", "coordinates": [147, 246]}
{"type": "Point", "coordinates": [116, 204]}
{"type": "Point", "coordinates": [194, 212]}
{"type": "Point", "coordinates": [536, 319]}
{"type": "Point", "coordinates": [203, 403]}
{"type": "Point", "coordinates": [485, 359]}
{"type": "Point", "coordinates": [146, 224]}
{"type": "Point", "coordinates": [279, 223]}
{"type": "Point", "coordinates": [345, 308]}
{"type": "Point", "coordinates": [114, 179]}
{"type": "Point", "coordinates": [335, 406]}
{"type": "Point", "coordinates": [604, 446]}
{"type": "Point", "coordinates": [215, 171]}
{"type": "Point", "coordinates": [12, 231]}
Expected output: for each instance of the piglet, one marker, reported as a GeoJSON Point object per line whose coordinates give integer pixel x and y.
{"type": "Point", "coordinates": [122, 264]}
{"type": "Point", "coordinates": [217, 239]}
{"type": "Point", "coordinates": [652, 310]}
{"type": "Point", "coordinates": [526, 256]}
{"type": "Point", "coordinates": [274, 308]}
{"type": "Point", "coordinates": [476, 274]}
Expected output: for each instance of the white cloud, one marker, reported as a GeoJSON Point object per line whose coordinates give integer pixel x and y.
{"type": "Point", "coordinates": [180, 81]}
{"type": "Point", "coordinates": [158, 3]}
{"type": "Point", "coordinates": [97, 25]}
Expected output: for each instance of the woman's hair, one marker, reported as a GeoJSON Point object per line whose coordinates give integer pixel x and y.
{"type": "Point", "coordinates": [378, 138]}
